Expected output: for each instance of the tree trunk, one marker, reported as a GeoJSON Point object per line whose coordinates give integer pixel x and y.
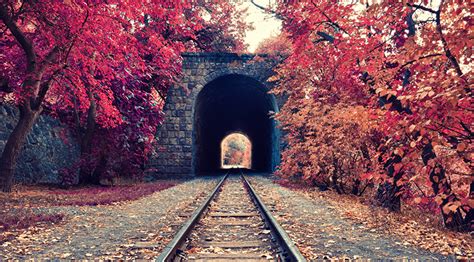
{"type": "Point", "coordinates": [453, 219]}
{"type": "Point", "coordinates": [388, 193]}
{"type": "Point", "coordinates": [356, 187]}
{"type": "Point", "coordinates": [15, 141]}
{"type": "Point", "coordinates": [35, 92]}
{"type": "Point", "coordinates": [334, 176]}
{"type": "Point", "coordinates": [470, 214]}
{"type": "Point", "coordinates": [87, 171]}
{"type": "Point", "coordinates": [387, 197]}
{"type": "Point", "coordinates": [335, 185]}
{"type": "Point", "coordinates": [100, 171]}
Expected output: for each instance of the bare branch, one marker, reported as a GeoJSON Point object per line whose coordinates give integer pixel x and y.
{"type": "Point", "coordinates": [446, 48]}
{"type": "Point", "coordinates": [420, 58]}
{"type": "Point", "coordinates": [268, 10]}
{"type": "Point", "coordinates": [424, 8]}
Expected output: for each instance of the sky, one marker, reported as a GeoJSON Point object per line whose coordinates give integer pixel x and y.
{"type": "Point", "coordinates": [265, 25]}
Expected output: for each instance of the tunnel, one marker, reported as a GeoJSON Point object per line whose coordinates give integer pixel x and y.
{"type": "Point", "coordinates": [234, 103]}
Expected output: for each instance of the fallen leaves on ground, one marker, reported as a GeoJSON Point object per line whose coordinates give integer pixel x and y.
{"type": "Point", "coordinates": [43, 195]}
{"type": "Point", "coordinates": [413, 226]}
{"type": "Point", "coordinates": [22, 212]}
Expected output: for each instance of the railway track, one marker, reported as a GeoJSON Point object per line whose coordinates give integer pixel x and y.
{"type": "Point", "coordinates": [231, 224]}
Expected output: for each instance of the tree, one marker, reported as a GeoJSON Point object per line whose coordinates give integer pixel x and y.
{"type": "Point", "coordinates": [223, 26]}
{"type": "Point", "coordinates": [82, 57]}
{"type": "Point", "coordinates": [427, 77]}
{"type": "Point", "coordinates": [277, 45]}
{"type": "Point", "coordinates": [408, 70]}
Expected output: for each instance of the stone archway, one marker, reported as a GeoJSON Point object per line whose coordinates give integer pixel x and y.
{"type": "Point", "coordinates": [177, 152]}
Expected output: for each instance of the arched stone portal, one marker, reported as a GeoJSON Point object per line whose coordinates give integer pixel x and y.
{"type": "Point", "coordinates": [218, 93]}
{"type": "Point", "coordinates": [228, 104]}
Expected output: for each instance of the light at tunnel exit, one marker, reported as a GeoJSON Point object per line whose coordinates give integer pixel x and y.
{"type": "Point", "coordinates": [236, 151]}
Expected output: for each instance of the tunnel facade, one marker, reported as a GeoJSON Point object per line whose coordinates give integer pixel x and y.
{"type": "Point", "coordinates": [219, 94]}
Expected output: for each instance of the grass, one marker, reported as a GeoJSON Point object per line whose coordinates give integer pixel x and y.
{"type": "Point", "coordinates": [49, 195]}
{"type": "Point", "coordinates": [292, 184]}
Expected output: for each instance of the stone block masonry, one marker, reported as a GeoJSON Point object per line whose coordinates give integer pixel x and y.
{"type": "Point", "coordinates": [48, 148]}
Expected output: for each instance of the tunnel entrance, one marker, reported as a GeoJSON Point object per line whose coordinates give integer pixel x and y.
{"type": "Point", "coordinates": [236, 151]}
{"type": "Point", "coordinates": [229, 104]}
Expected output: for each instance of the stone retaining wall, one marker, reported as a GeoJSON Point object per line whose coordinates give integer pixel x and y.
{"type": "Point", "coordinates": [48, 149]}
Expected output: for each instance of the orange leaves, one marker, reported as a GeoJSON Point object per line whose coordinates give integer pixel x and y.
{"type": "Point", "coordinates": [451, 207]}
{"type": "Point", "coordinates": [425, 92]}
{"type": "Point", "coordinates": [399, 151]}
{"type": "Point", "coordinates": [377, 177]}
{"type": "Point", "coordinates": [366, 176]}
{"type": "Point", "coordinates": [461, 147]}
{"type": "Point", "coordinates": [417, 200]}
{"type": "Point", "coordinates": [278, 45]}
{"type": "Point", "coordinates": [326, 140]}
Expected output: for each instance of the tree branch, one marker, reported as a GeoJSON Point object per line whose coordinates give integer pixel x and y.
{"type": "Point", "coordinates": [25, 43]}
{"type": "Point", "coordinates": [417, 186]}
{"type": "Point", "coordinates": [160, 94]}
{"type": "Point", "coordinates": [424, 8]}
{"type": "Point", "coordinates": [44, 90]}
{"type": "Point", "coordinates": [449, 55]}
{"type": "Point", "coordinates": [466, 128]}
{"type": "Point", "coordinates": [420, 58]}
{"type": "Point", "coordinates": [329, 19]}
{"type": "Point", "coordinates": [268, 10]}
{"type": "Point", "coordinates": [76, 36]}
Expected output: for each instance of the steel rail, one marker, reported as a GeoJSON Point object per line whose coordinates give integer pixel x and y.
{"type": "Point", "coordinates": [170, 251]}
{"type": "Point", "coordinates": [290, 251]}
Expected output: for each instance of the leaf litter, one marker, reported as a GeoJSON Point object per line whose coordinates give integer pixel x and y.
{"type": "Point", "coordinates": [328, 225]}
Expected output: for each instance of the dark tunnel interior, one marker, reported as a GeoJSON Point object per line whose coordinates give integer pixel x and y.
{"type": "Point", "coordinates": [228, 104]}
